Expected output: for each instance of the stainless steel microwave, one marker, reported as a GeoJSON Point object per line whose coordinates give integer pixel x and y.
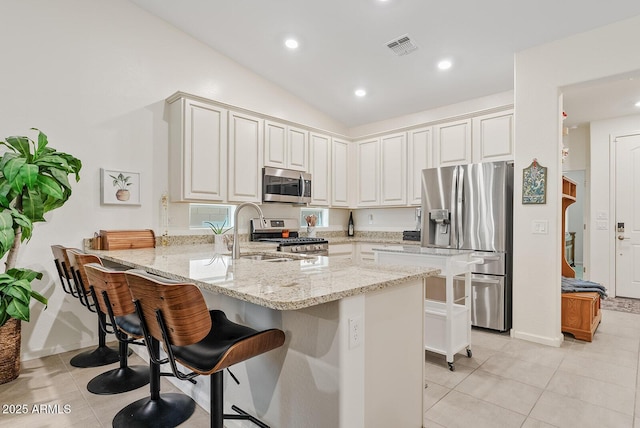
{"type": "Point", "coordinates": [285, 185]}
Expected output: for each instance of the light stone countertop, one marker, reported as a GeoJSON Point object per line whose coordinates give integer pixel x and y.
{"type": "Point", "coordinates": [300, 283]}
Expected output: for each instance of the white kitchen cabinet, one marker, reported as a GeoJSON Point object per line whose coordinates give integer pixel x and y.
{"type": "Point", "coordinates": [452, 143]}
{"type": "Point", "coordinates": [340, 173]}
{"type": "Point", "coordinates": [285, 146]}
{"type": "Point", "coordinates": [368, 187]}
{"type": "Point", "coordinates": [245, 157]}
{"type": "Point", "coordinates": [341, 251]}
{"type": "Point", "coordinates": [320, 168]}
{"type": "Point", "coordinates": [364, 251]}
{"type": "Point", "coordinates": [419, 157]}
{"type": "Point", "coordinates": [198, 151]}
{"type": "Point", "coordinates": [493, 137]}
{"type": "Point", "coordinates": [393, 169]}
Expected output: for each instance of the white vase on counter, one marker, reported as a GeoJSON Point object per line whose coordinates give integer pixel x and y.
{"type": "Point", "coordinates": [220, 245]}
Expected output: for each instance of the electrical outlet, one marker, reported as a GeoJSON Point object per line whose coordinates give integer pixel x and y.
{"type": "Point", "coordinates": [355, 332]}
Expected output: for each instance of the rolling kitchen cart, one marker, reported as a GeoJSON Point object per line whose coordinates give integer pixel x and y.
{"type": "Point", "coordinates": [447, 325]}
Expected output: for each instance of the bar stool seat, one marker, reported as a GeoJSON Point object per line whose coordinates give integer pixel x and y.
{"type": "Point", "coordinates": [112, 299]}
{"type": "Point", "coordinates": [202, 340]}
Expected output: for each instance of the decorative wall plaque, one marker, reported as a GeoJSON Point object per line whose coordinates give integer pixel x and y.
{"type": "Point", "coordinates": [534, 184]}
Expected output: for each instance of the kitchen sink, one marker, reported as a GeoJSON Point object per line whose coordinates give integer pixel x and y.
{"type": "Point", "coordinates": [266, 257]}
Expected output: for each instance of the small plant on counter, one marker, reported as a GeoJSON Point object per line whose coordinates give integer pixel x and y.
{"type": "Point", "coordinates": [33, 181]}
{"type": "Point", "coordinates": [218, 230]}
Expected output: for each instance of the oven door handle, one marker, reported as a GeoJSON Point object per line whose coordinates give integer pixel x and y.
{"type": "Point", "coordinates": [302, 185]}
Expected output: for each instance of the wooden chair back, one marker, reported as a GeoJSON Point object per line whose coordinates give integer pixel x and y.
{"type": "Point", "coordinates": [77, 260]}
{"type": "Point", "coordinates": [61, 265]}
{"type": "Point", "coordinates": [182, 306]}
{"type": "Point", "coordinates": [114, 284]}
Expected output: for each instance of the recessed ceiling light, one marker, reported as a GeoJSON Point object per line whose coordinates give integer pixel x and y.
{"type": "Point", "coordinates": [291, 43]}
{"type": "Point", "coordinates": [360, 92]}
{"type": "Point", "coordinates": [637, 104]}
{"type": "Point", "coordinates": [445, 64]}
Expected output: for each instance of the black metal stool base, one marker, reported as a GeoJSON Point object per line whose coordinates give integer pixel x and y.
{"type": "Point", "coordinates": [119, 380]}
{"type": "Point", "coordinates": [169, 410]}
{"type": "Point", "coordinates": [101, 356]}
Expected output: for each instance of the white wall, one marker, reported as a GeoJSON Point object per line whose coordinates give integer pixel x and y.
{"type": "Point", "coordinates": [540, 72]}
{"type": "Point", "coordinates": [602, 259]}
{"type": "Point", "coordinates": [93, 75]}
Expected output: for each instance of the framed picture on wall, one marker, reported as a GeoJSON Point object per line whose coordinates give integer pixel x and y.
{"type": "Point", "coordinates": [534, 184]}
{"type": "Point", "coordinates": [119, 187]}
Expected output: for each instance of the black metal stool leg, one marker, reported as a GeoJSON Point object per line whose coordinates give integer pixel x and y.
{"type": "Point", "coordinates": [101, 356]}
{"type": "Point", "coordinates": [123, 379]}
{"type": "Point", "coordinates": [217, 415]}
{"type": "Point", "coordinates": [157, 410]}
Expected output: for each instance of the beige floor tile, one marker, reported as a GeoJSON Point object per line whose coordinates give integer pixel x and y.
{"type": "Point", "coordinates": [434, 393]}
{"type": "Point", "coordinates": [563, 411]}
{"type": "Point", "coordinates": [593, 391]}
{"type": "Point", "coordinates": [505, 393]}
{"type": "Point", "coordinates": [535, 353]}
{"type": "Point", "coordinates": [461, 410]}
{"type": "Point", "coordinates": [602, 341]}
{"type": "Point", "coordinates": [479, 355]}
{"type": "Point", "coordinates": [489, 339]}
{"type": "Point", "coordinates": [428, 423]}
{"type": "Point", "coordinates": [527, 372]}
{"type": "Point", "coordinates": [440, 374]}
{"type": "Point", "coordinates": [534, 423]}
{"type": "Point", "coordinates": [601, 370]}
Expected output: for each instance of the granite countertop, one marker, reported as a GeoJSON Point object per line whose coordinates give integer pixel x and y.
{"type": "Point", "coordinates": [303, 282]}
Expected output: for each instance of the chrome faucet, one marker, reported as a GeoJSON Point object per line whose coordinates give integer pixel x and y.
{"type": "Point", "coordinates": [235, 252]}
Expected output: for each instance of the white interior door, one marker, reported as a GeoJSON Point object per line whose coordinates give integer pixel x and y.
{"type": "Point", "coordinates": [627, 226]}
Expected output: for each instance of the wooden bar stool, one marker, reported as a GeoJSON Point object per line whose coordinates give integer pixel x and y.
{"type": "Point", "coordinates": [203, 341]}
{"type": "Point", "coordinates": [111, 294]}
{"type": "Point", "coordinates": [103, 354]}
{"type": "Point", "coordinates": [62, 268]}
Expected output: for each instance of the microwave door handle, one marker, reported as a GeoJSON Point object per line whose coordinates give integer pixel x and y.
{"type": "Point", "coordinates": [302, 185]}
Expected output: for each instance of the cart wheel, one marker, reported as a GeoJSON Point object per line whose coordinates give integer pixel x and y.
{"type": "Point", "coordinates": [469, 353]}
{"type": "Point", "coordinates": [451, 367]}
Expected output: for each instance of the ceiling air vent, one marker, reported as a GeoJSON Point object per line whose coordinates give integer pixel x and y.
{"type": "Point", "coordinates": [402, 45]}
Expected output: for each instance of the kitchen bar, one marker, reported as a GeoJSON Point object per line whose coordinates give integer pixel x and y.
{"type": "Point", "coordinates": [353, 354]}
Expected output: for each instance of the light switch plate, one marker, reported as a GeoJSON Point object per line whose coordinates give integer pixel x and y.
{"type": "Point", "coordinates": [540, 227]}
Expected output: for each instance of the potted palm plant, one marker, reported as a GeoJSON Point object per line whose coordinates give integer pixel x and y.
{"type": "Point", "coordinates": [33, 180]}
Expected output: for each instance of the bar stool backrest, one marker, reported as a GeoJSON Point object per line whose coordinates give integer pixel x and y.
{"type": "Point", "coordinates": [114, 283]}
{"type": "Point", "coordinates": [60, 261]}
{"type": "Point", "coordinates": [182, 306]}
{"type": "Point", "coordinates": [78, 259]}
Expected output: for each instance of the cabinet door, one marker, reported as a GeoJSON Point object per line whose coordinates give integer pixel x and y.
{"type": "Point", "coordinates": [453, 143]}
{"type": "Point", "coordinates": [393, 169]}
{"type": "Point", "coordinates": [420, 148]}
{"type": "Point", "coordinates": [340, 182]}
{"type": "Point", "coordinates": [320, 168]}
{"type": "Point", "coordinates": [275, 144]}
{"type": "Point", "coordinates": [198, 151]}
{"type": "Point", "coordinates": [493, 137]}
{"type": "Point", "coordinates": [245, 162]}
{"type": "Point", "coordinates": [297, 149]}
{"type": "Point", "coordinates": [368, 172]}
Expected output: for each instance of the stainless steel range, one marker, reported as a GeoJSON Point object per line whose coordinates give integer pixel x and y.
{"type": "Point", "coordinates": [285, 233]}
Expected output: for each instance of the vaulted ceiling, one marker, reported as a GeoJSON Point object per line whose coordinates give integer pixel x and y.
{"type": "Point", "coordinates": [343, 45]}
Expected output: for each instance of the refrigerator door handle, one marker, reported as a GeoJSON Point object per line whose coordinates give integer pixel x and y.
{"type": "Point", "coordinates": [484, 281]}
{"type": "Point", "coordinates": [458, 206]}
{"type": "Point", "coordinates": [486, 258]}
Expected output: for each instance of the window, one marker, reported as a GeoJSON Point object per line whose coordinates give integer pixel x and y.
{"type": "Point", "coordinates": [321, 213]}
{"type": "Point", "coordinates": [219, 215]}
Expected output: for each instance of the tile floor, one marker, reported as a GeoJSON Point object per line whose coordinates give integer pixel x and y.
{"type": "Point", "coordinates": [507, 383]}
{"type": "Point", "coordinates": [513, 383]}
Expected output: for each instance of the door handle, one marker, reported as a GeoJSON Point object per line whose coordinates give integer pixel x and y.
{"type": "Point", "coordinates": [622, 238]}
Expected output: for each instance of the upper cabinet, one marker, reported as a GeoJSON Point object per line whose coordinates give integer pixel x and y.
{"type": "Point", "coordinates": [452, 142]}
{"type": "Point", "coordinates": [285, 146]}
{"type": "Point", "coordinates": [340, 162]}
{"type": "Point", "coordinates": [198, 151]}
{"type": "Point", "coordinates": [493, 137]}
{"type": "Point", "coordinates": [320, 168]}
{"type": "Point", "coordinates": [419, 157]}
{"type": "Point", "coordinates": [393, 169]}
{"type": "Point", "coordinates": [245, 160]}
{"type": "Point", "coordinates": [367, 154]}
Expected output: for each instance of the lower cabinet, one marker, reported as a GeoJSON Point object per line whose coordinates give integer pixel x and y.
{"type": "Point", "coordinates": [341, 251]}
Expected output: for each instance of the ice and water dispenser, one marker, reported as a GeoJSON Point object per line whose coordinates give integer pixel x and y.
{"type": "Point", "coordinates": [440, 227]}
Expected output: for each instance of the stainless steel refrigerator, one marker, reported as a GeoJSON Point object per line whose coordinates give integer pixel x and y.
{"type": "Point", "coordinates": [471, 207]}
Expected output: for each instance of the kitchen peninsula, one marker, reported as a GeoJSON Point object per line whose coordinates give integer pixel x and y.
{"type": "Point", "coordinates": [354, 352]}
